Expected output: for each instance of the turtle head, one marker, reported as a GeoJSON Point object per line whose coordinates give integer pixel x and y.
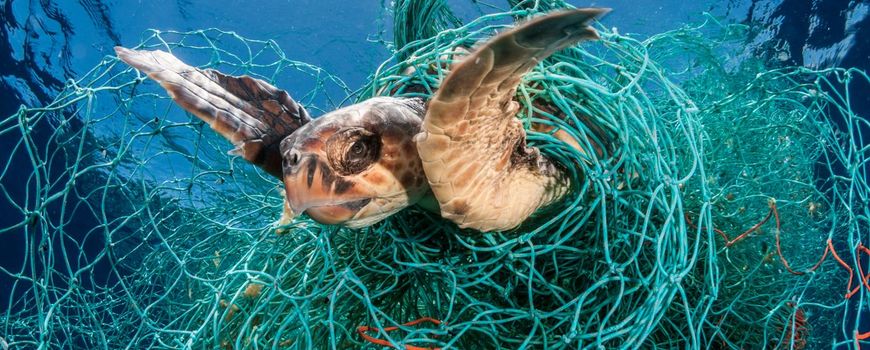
{"type": "Point", "coordinates": [357, 165]}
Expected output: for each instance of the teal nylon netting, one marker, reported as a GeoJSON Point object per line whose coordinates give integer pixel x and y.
{"type": "Point", "coordinates": [730, 214]}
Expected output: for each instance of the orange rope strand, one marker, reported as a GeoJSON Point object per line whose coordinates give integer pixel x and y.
{"type": "Point", "coordinates": [772, 204]}
{"type": "Point", "coordinates": [849, 291]}
{"type": "Point", "coordinates": [829, 247]}
{"type": "Point", "coordinates": [729, 242]}
{"type": "Point", "coordinates": [363, 329]}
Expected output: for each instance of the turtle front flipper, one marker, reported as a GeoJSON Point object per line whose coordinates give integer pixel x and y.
{"type": "Point", "coordinates": [472, 145]}
{"type": "Point", "coordinates": [254, 115]}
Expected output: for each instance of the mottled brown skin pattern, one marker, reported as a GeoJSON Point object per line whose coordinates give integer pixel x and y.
{"type": "Point", "coordinates": [357, 165]}
{"type": "Point", "coordinates": [473, 148]}
{"type": "Point", "coordinates": [254, 115]}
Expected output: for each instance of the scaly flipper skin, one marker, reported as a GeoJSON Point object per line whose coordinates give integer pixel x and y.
{"type": "Point", "coordinates": [254, 115]}
{"type": "Point", "coordinates": [473, 148]}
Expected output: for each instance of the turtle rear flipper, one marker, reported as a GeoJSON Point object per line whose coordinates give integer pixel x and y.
{"type": "Point", "coordinates": [472, 146]}
{"type": "Point", "coordinates": [254, 115]}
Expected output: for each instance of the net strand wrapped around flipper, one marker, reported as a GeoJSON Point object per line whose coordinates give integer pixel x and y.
{"type": "Point", "coordinates": [139, 230]}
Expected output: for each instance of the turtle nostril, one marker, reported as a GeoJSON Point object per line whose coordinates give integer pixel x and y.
{"type": "Point", "coordinates": [293, 158]}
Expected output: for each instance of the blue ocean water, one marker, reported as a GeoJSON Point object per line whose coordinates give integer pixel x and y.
{"type": "Point", "coordinates": [45, 43]}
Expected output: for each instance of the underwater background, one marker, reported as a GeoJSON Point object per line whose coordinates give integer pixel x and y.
{"type": "Point", "coordinates": [44, 45]}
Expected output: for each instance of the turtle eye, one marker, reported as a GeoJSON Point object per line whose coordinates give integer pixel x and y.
{"type": "Point", "coordinates": [353, 150]}
{"type": "Point", "coordinates": [358, 148]}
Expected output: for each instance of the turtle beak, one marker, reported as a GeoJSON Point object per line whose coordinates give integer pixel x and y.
{"type": "Point", "coordinates": [311, 186]}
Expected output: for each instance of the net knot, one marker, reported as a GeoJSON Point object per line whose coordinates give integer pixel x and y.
{"type": "Point", "coordinates": [567, 338]}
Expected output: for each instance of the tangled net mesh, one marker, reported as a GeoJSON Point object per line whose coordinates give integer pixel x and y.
{"type": "Point", "coordinates": [730, 213]}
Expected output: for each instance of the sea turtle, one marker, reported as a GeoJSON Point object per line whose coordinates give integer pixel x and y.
{"type": "Point", "coordinates": [357, 165]}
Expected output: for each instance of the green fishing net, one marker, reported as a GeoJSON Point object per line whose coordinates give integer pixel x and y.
{"type": "Point", "coordinates": [728, 213]}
